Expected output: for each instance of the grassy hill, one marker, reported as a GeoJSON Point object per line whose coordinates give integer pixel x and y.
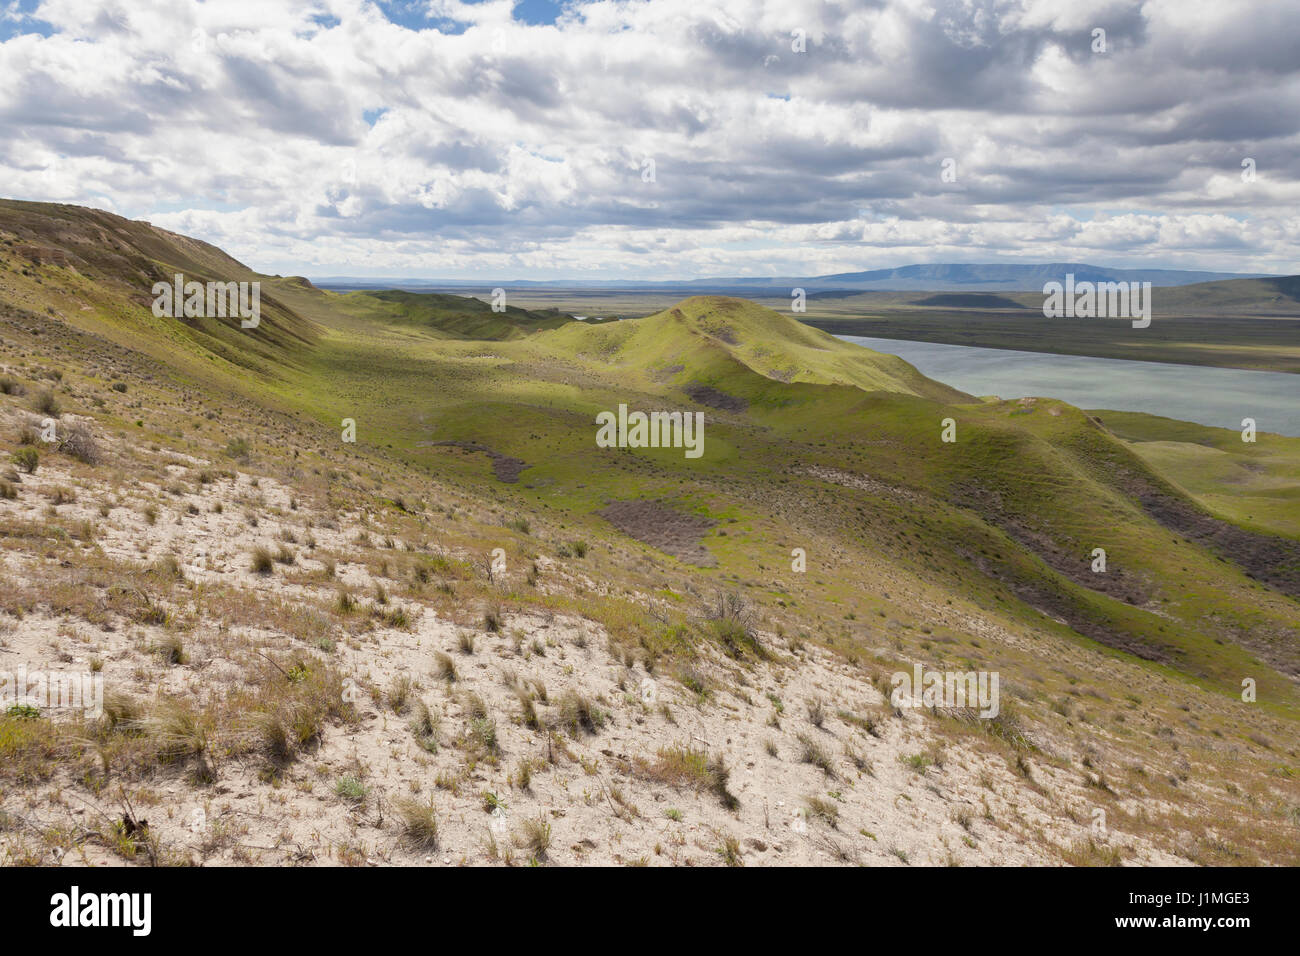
{"type": "Point", "coordinates": [705, 336]}
{"type": "Point", "coordinates": [101, 268]}
{"type": "Point", "coordinates": [453, 315]}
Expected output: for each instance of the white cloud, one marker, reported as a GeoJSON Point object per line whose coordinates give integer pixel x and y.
{"type": "Point", "coordinates": [324, 138]}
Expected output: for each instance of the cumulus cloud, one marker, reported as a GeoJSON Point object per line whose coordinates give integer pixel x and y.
{"type": "Point", "coordinates": [455, 139]}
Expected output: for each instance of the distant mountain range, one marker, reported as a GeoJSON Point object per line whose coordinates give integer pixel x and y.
{"type": "Point", "coordinates": [935, 277]}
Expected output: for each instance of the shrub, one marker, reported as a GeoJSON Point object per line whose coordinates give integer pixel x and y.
{"type": "Point", "coordinates": [27, 459]}
{"type": "Point", "coordinates": [731, 622]}
{"type": "Point", "coordinates": [79, 443]}
{"type": "Point", "coordinates": [47, 404]}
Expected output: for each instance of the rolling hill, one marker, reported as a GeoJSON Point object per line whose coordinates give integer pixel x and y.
{"type": "Point", "coordinates": [365, 563]}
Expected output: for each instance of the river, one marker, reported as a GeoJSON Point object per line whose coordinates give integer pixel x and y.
{"type": "Point", "coordinates": [1192, 393]}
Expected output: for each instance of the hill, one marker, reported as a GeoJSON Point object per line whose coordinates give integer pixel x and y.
{"type": "Point", "coordinates": [106, 268]}
{"type": "Point", "coordinates": [354, 590]}
{"type": "Point", "coordinates": [704, 337]}
{"type": "Point", "coordinates": [457, 316]}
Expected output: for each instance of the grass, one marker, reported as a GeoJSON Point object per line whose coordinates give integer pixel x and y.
{"type": "Point", "coordinates": [812, 752]}
{"type": "Point", "coordinates": [680, 765]}
{"type": "Point", "coordinates": [534, 836]}
{"type": "Point", "coordinates": [426, 727]}
{"type": "Point", "coordinates": [578, 715]}
{"type": "Point", "coordinates": [825, 811]}
{"type": "Point", "coordinates": [729, 850]}
{"type": "Point", "coordinates": [262, 561]}
{"type": "Point", "coordinates": [483, 735]}
{"type": "Point", "coordinates": [399, 693]}
{"type": "Point", "coordinates": [817, 712]}
{"type": "Point", "coordinates": [351, 789]}
{"type": "Point", "coordinates": [444, 667]}
{"type": "Point", "coordinates": [419, 822]}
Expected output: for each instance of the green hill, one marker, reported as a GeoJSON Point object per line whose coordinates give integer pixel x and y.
{"type": "Point", "coordinates": [453, 315]}
{"type": "Point", "coordinates": [806, 435]}
{"type": "Point", "coordinates": [700, 338]}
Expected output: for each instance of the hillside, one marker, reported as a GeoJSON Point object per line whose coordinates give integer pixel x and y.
{"type": "Point", "coordinates": [312, 650]}
{"type": "Point", "coordinates": [104, 270]}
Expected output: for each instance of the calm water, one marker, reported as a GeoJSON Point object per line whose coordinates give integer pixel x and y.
{"type": "Point", "coordinates": [1191, 393]}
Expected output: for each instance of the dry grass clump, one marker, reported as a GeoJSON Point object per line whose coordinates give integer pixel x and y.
{"type": "Point", "coordinates": [578, 715]}
{"type": "Point", "coordinates": [426, 725]}
{"type": "Point", "coordinates": [680, 765]}
{"type": "Point", "coordinates": [824, 810]}
{"type": "Point", "coordinates": [419, 822]}
{"type": "Point", "coordinates": [534, 836]}
{"type": "Point", "coordinates": [444, 666]}
{"type": "Point", "coordinates": [262, 562]}
{"type": "Point", "coordinates": [399, 693]}
{"type": "Point", "coordinates": [810, 751]}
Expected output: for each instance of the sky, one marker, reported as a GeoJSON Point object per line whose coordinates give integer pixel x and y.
{"type": "Point", "coordinates": [670, 139]}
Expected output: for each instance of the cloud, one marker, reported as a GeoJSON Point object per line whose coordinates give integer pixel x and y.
{"type": "Point", "coordinates": [456, 139]}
